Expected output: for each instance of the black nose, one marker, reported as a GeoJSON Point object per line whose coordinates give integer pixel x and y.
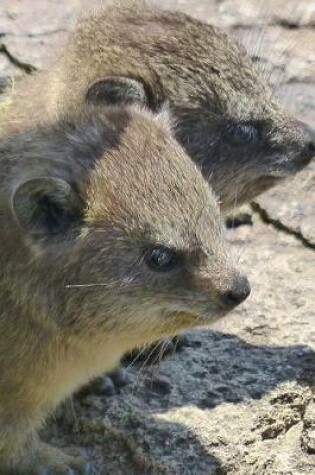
{"type": "Point", "coordinates": [239, 291]}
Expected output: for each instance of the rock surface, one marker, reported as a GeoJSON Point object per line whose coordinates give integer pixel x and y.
{"type": "Point", "coordinates": [238, 399]}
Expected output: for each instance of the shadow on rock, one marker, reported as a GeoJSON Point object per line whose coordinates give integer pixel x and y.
{"type": "Point", "coordinates": [218, 367]}
{"type": "Point", "coordinates": [137, 432]}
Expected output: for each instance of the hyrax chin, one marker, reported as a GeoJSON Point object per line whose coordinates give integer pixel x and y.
{"type": "Point", "coordinates": [110, 238]}
{"type": "Point", "coordinates": [226, 116]}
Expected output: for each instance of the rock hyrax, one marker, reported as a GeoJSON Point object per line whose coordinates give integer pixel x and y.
{"type": "Point", "coordinates": [226, 115]}
{"type": "Point", "coordinates": [110, 238]}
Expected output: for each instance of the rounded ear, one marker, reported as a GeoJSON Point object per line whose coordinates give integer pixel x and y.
{"type": "Point", "coordinates": [46, 206]}
{"type": "Point", "coordinates": [116, 90]}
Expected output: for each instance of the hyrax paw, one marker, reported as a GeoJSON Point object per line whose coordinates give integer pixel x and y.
{"type": "Point", "coordinates": [107, 385]}
{"type": "Point", "coordinates": [52, 461]}
{"type": "Point", "coordinates": [56, 462]}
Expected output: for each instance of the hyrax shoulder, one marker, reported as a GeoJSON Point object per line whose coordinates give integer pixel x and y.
{"type": "Point", "coordinates": [110, 238]}
{"type": "Point", "coordinates": [225, 112]}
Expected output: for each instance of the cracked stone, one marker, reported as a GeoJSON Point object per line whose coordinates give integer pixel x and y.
{"type": "Point", "coordinates": [296, 209]}
{"type": "Point", "coordinates": [26, 67]}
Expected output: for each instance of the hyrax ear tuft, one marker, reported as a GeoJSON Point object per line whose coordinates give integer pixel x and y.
{"type": "Point", "coordinates": [46, 206]}
{"type": "Point", "coordinates": [118, 90]}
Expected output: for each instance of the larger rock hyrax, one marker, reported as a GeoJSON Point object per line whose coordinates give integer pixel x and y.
{"type": "Point", "coordinates": [226, 115]}
{"type": "Point", "coordinates": [110, 238]}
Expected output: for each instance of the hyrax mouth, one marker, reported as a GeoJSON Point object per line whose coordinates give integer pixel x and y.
{"type": "Point", "coordinates": [298, 155]}
{"type": "Point", "coordinates": [286, 167]}
{"type": "Point", "coordinates": [205, 310]}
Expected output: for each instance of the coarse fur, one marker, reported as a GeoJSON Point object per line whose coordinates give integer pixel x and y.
{"type": "Point", "coordinates": [82, 202]}
{"type": "Point", "coordinates": [133, 52]}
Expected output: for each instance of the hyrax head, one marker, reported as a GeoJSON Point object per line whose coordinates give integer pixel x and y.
{"type": "Point", "coordinates": [226, 116]}
{"type": "Point", "coordinates": [122, 232]}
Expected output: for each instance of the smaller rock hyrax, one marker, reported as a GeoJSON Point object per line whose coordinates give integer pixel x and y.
{"type": "Point", "coordinates": [110, 238]}
{"type": "Point", "coordinates": [225, 112]}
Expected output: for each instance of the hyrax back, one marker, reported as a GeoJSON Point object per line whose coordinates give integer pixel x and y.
{"type": "Point", "coordinates": [225, 112]}
{"type": "Point", "coordinates": [110, 238]}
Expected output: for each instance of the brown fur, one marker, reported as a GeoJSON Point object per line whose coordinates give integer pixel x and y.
{"type": "Point", "coordinates": [82, 201]}
{"type": "Point", "coordinates": [211, 84]}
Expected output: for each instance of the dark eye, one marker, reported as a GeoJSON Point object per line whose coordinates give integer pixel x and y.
{"type": "Point", "coordinates": [161, 259]}
{"type": "Point", "coordinates": [241, 134]}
